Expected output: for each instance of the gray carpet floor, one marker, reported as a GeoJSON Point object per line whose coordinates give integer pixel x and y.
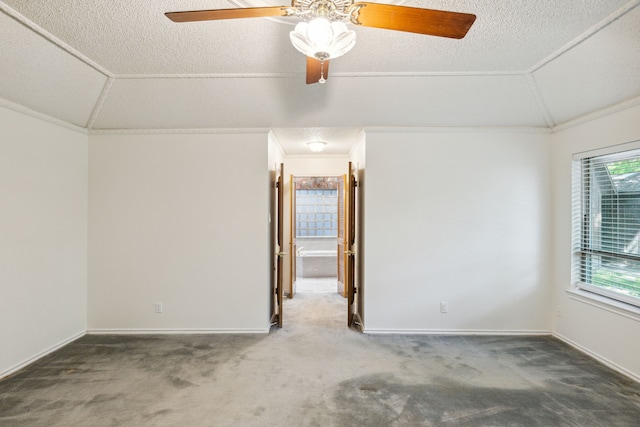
{"type": "Point", "coordinates": [316, 372]}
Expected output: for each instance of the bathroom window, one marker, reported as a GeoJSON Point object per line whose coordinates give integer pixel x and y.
{"type": "Point", "coordinates": [317, 207]}
{"type": "Point", "coordinates": [606, 225]}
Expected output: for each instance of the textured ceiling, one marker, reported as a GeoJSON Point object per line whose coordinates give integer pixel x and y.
{"type": "Point", "coordinates": [123, 65]}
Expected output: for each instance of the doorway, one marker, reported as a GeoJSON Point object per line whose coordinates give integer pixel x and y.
{"type": "Point", "coordinates": [317, 208]}
{"type": "Point", "coordinates": [324, 226]}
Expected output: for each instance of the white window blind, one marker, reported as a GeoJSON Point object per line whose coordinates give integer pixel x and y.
{"type": "Point", "coordinates": [606, 225]}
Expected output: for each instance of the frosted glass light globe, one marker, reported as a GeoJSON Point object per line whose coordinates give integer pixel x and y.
{"type": "Point", "coordinates": [322, 39]}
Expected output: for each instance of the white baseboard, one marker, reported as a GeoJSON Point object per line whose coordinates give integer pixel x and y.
{"type": "Point", "coordinates": [454, 332]}
{"type": "Point", "coordinates": [40, 355]}
{"type": "Point", "coordinates": [174, 331]}
{"type": "Point", "coordinates": [598, 357]}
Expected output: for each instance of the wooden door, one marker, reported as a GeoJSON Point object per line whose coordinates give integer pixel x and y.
{"type": "Point", "coordinates": [273, 243]}
{"type": "Point", "coordinates": [293, 246]}
{"type": "Point", "coordinates": [350, 246]}
{"type": "Point", "coordinates": [279, 241]}
{"type": "Point", "coordinates": [342, 238]}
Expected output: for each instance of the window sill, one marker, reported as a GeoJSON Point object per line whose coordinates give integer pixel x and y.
{"type": "Point", "coordinates": [617, 307]}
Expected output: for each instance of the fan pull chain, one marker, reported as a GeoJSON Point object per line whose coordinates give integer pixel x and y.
{"type": "Point", "coordinates": [322, 79]}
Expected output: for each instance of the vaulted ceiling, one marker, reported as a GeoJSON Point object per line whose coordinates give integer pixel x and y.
{"type": "Point", "coordinates": [121, 64]}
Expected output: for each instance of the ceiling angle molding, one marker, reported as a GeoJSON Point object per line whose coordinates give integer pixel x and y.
{"type": "Point", "coordinates": [431, 74]}
{"type": "Point", "coordinates": [461, 129]}
{"type": "Point", "coordinates": [296, 74]}
{"type": "Point", "coordinates": [205, 76]}
{"type": "Point", "coordinates": [53, 39]}
{"type": "Point", "coordinates": [587, 34]}
{"type": "Point", "coordinates": [544, 110]}
{"type": "Point", "coordinates": [100, 102]}
{"type": "Point", "coordinates": [41, 116]}
{"type": "Point", "coordinates": [597, 114]}
{"type": "Point", "coordinates": [193, 131]}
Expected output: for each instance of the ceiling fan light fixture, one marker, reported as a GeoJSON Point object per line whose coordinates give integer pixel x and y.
{"type": "Point", "coordinates": [322, 39]}
{"type": "Point", "coordinates": [316, 146]}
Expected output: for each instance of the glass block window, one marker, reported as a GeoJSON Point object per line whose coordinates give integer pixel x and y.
{"type": "Point", "coordinates": [317, 209]}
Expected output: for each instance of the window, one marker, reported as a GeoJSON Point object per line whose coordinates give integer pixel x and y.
{"type": "Point", "coordinates": [606, 225]}
{"type": "Point", "coordinates": [316, 206]}
{"type": "Point", "coordinates": [317, 213]}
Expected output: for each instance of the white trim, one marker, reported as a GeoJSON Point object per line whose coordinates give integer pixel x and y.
{"type": "Point", "coordinates": [365, 131]}
{"type": "Point", "coordinates": [53, 39]}
{"type": "Point", "coordinates": [537, 95]}
{"type": "Point", "coordinates": [97, 108]}
{"type": "Point", "coordinates": [206, 76]}
{"type": "Point", "coordinates": [598, 357]}
{"type": "Point", "coordinates": [589, 117]}
{"type": "Point", "coordinates": [40, 355]}
{"type": "Point", "coordinates": [360, 139]}
{"type": "Point", "coordinates": [374, 331]}
{"type": "Point", "coordinates": [284, 75]}
{"type": "Point", "coordinates": [609, 304]}
{"type": "Point", "coordinates": [189, 331]}
{"type": "Point", "coordinates": [611, 149]}
{"type": "Point", "coordinates": [599, 26]}
{"type": "Point", "coordinates": [460, 129]}
{"type": "Point", "coordinates": [274, 141]}
{"type": "Point", "coordinates": [179, 131]}
{"type": "Point", "coordinates": [41, 116]}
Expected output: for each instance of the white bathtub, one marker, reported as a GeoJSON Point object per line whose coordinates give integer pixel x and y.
{"type": "Point", "coordinates": [317, 253]}
{"type": "Point", "coordinates": [317, 263]}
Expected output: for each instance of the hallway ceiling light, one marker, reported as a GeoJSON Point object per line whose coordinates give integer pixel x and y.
{"type": "Point", "coordinates": [316, 146]}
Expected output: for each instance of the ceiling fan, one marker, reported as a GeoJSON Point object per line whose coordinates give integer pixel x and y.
{"type": "Point", "coordinates": [322, 34]}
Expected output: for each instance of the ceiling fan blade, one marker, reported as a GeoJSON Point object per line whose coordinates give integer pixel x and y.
{"type": "Point", "coordinates": [316, 70]}
{"type": "Point", "coordinates": [212, 15]}
{"type": "Point", "coordinates": [414, 20]}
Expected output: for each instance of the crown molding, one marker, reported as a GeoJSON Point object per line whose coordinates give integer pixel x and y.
{"type": "Point", "coordinates": [461, 129]}
{"type": "Point", "coordinates": [587, 34]}
{"type": "Point", "coordinates": [100, 102]}
{"type": "Point", "coordinates": [374, 74]}
{"type": "Point", "coordinates": [544, 110]}
{"type": "Point", "coordinates": [41, 116]}
{"type": "Point", "coordinates": [597, 114]}
{"type": "Point", "coordinates": [53, 39]}
{"type": "Point", "coordinates": [197, 131]}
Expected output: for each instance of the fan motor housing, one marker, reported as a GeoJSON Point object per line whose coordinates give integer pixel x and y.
{"type": "Point", "coordinates": [333, 10]}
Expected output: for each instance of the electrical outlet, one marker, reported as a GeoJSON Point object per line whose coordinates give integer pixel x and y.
{"type": "Point", "coordinates": [444, 307]}
{"type": "Point", "coordinates": [158, 307]}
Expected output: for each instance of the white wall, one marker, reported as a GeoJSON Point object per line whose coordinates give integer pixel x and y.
{"type": "Point", "coordinates": [182, 220]}
{"type": "Point", "coordinates": [610, 335]}
{"type": "Point", "coordinates": [460, 216]}
{"type": "Point", "coordinates": [43, 237]}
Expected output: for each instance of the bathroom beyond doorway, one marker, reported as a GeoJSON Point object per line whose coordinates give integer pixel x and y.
{"type": "Point", "coordinates": [317, 211]}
